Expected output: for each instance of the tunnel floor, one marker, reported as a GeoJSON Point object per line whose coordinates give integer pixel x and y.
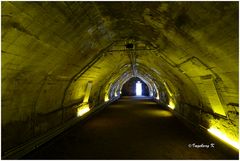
{"type": "Point", "coordinates": [130, 128]}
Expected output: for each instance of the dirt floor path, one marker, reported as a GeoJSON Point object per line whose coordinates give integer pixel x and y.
{"type": "Point", "coordinates": [130, 128]}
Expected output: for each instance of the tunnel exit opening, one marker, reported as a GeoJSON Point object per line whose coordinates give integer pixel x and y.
{"type": "Point", "coordinates": [135, 87]}
{"type": "Point", "coordinates": [138, 88]}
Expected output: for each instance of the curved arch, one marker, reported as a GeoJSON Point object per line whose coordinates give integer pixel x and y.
{"type": "Point", "coordinates": [199, 64]}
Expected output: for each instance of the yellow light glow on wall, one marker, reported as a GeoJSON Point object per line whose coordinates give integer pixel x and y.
{"type": "Point", "coordinates": [82, 110]}
{"type": "Point", "coordinates": [157, 95]}
{"type": "Point", "coordinates": [223, 137]}
{"type": "Point", "coordinates": [168, 90]}
{"type": "Point", "coordinates": [106, 98]}
{"type": "Point", "coordinates": [171, 104]}
{"type": "Point", "coordinates": [210, 89]}
{"type": "Point", "coordinates": [87, 92]}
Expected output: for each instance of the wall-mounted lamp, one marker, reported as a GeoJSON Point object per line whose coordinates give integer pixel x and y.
{"type": "Point", "coordinates": [82, 110]}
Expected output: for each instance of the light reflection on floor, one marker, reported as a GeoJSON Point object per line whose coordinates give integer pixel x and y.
{"type": "Point", "coordinates": [160, 113]}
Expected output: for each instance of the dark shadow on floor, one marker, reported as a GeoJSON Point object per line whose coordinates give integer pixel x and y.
{"type": "Point", "coordinates": [130, 128]}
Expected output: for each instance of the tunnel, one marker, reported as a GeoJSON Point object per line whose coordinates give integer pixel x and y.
{"type": "Point", "coordinates": [66, 67]}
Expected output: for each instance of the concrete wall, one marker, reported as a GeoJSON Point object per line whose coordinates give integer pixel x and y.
{"type": "Point", "coordinates": [51, 50]}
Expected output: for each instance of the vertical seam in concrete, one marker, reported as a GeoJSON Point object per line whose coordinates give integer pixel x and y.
{"type": "Point", "coordinates": [33, 117]}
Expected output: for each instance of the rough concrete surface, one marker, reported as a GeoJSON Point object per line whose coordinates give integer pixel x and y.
{"type": "Point", "coordinates": [187, 53]}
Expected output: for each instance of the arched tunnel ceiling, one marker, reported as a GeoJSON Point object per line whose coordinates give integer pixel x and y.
{"type": "Point", "coordinates": [63, 37]}
{"type": "Point", "coordinates": [51, 50]}
{"type": "Point", "coordinates": [70, 32]}
{"type": "Point", "coordinates": [56, 40]}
